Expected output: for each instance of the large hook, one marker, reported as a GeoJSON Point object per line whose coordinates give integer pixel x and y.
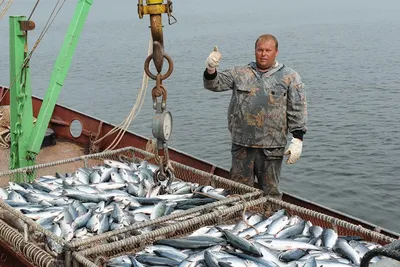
{"type": "Point", "coordinates": [158, 56]}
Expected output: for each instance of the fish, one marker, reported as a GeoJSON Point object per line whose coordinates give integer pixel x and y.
{"type": "Point", "coordinates": [329, 237]}
{"type": "Point", "coordinates": [285, 244]}
{"type": "Point", "coordinates": [343, 248]}
{"type": "Point", "coordinates": [94, 200]}
{"type": "Point", "coordinates": [240, 243]}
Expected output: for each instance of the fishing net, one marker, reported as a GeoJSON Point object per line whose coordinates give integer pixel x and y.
{"type": "Point", "coordinates": [19, 227]}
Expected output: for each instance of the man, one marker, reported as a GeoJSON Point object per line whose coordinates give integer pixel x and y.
{"type": "Point", "coordinates": [268, 101]}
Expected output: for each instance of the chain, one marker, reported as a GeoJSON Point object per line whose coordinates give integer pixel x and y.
{"type": "Point", "coordinates": [159, 92]}
{"type": "Point", "coordinates": [159, 96]}
{"type": "Point", "coordinates": [165, 170]}
{"type": "Point", "coordinates": [18, 126]}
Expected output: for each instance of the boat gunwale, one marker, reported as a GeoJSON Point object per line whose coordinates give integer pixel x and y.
{"type": "Point", "coordinates": [198, 163]}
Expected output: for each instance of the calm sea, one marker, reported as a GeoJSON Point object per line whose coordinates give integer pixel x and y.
{"type": "Point", "coordinates": [347, 53]}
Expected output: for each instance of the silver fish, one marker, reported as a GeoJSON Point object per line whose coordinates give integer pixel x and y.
{"type": "Point", "coordinates": [343, 248]}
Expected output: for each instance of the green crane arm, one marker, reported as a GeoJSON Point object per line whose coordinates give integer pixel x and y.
{"type": "Point", "coordinates": [26, 137]}
{"type": "Point", "coordinates": [58, 76]}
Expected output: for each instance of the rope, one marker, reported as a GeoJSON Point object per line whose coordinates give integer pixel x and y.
{"type": "Point", "coordinates": [152, 149]}
{"type": "Point", "coordinates": [6, 7]}
{"type": "Point", "coordinates": [30, 250]}
{"type": "Point", "coordinates": [244, 215]}
{"type": "Point", "coordinates": [46, 27]}
{"type": "Point", "coordinates": [83, 260]}
{"type": "Point", "coordinates": [122, 127]}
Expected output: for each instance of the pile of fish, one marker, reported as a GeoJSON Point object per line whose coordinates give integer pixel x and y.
{"type": "Point", "coordinates": [95, 200]}
{"type": "Point", "coordinates": [277, 241]}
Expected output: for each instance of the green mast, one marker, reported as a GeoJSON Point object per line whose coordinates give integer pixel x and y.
{"type": "Point", "coordinates": [27, 138]}
{"type": "Point", "coordinates": [21, 122]}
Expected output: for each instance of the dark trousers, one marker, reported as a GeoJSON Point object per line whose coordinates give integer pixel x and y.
{"type": "Point", "coordinates": [262, 164]}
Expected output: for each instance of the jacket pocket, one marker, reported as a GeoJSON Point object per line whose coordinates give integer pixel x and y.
{"type": "Point", "coordinates": [243, 89]}
{"type": "Point", "coordinates": [277, 95]}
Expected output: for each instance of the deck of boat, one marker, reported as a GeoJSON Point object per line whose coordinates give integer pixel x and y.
{"type": "Point", "coordinates": [62, 150]}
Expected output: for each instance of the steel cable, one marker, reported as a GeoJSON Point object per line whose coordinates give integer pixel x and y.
{"type": "Point", "coordinates": [49, 22]}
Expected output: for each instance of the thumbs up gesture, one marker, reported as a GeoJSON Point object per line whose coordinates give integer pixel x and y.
{"type": "Point", "coordinates": [212, 61]}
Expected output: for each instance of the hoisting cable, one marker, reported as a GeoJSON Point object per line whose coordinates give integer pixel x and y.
{"type": "Point", "coordinates": [33, 10]}
{"type": "Point", "coordinates": [122, 127]}
{"type": "Point", "coordinates": [49, 22]}
{"type": "Point", "coordinates": [46, 27]}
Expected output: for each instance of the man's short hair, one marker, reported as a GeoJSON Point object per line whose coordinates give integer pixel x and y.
{"type": "Point", "coordinates": [267, 37]}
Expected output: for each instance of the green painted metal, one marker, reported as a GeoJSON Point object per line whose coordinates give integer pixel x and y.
{"type": "Point", "coordinates": [58, 76]}
{"type": "Point", "coordinates": [21, 121]}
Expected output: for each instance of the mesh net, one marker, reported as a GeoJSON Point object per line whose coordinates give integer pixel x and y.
{"type": "Point", "coordinates": [266, 206]}
{"type": "Point", "coordinates": [38, 235]}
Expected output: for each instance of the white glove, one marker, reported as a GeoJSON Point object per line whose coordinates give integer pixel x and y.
{"type": "Point", "coordinates": [294, 150]}
{"type": "Point", "coordinates": [213, 59]}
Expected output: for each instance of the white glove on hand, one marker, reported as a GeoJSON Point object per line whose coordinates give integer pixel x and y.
{"type": "Point", "coordinates": [213, 59]}
{"type": "Point", "coordinates": [294, 150]}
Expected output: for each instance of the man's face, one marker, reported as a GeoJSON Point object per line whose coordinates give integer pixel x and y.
{"type": "Point", "coordinates": [266, 53]}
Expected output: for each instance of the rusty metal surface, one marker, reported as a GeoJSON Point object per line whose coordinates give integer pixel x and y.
{"type": "Point", "coordinates": [156, 28]}
{"type": "Point", "coordinates": [27, 25]}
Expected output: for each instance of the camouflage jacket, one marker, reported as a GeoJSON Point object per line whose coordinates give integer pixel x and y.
{"type": "Point", "coordinates": [264, 106]}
